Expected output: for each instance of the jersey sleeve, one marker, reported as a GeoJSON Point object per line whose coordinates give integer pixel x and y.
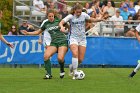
{"type": "Point", "coordinates": [86, 16]}
{"type": "Point", "coordinates": [138, 28]}
{"type": "Point", "coordinates": [67, 18]}
{"type": "Point", "coordinates": [42, 26]}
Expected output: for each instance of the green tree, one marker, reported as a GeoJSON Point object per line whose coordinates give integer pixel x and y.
{"type": "Point", "coordinates": [7, 8]}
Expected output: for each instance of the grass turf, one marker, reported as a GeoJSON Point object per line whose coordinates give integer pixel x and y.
{"type": "Point", "coordinates": [97, 80]}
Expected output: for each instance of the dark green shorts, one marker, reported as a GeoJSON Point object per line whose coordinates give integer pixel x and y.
{"type": "Point", "coordinates": [59, 44]}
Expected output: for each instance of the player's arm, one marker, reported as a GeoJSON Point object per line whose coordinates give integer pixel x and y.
{"type": "Point", "coordinates": [63, 21]}
{"type": "Point", "coordinates": [5, 41]}
{"type": "Point", "coordinates": [95, 20]}
{"type": "Point", "coordinates": [32, 33]}
{"type": "Point", "coordinates": [88, 18]}
{"type": "Point", "coordinates": [61, 25]}
{"type": "Point", "coordinates": [40, 38]}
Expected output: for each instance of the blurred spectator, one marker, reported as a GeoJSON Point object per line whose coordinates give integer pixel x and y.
{"type": "Point", "coordinates": [129, 28]}
{"type": "Point", "coordinates": [97, 9]}
{"type": "Point", "coordinates": [109, 9]}
{"type": "Point", "coordinates": [137, 7]}
{"type": "Point", "coordinates": [13, 30]}
{"type": "Point", "coordinates": [52, 5]}
{"type": "Point", "coordinates": [131, 8]}
{"type": "Point", "coordinates": [47, 3]}
{"type": "Point", "coordinates": [63, 13]}
{"type": "Point", "coordinates": [105, 16]}
{"type": "Point", "coordinates": [127, 3]}
{"type": "Point", "coordinates": [106, 1]}
{"type": "Point", "coordinates": [136, 2]}
{"type": "Point", "coordinates": [136, 15]}
{"type": "Point", "coordinates": [121, 5]}
{"type": "Point", "coordinates": [89, 10]}
{"type": "Point", "coordinates": [92, 3]}
{"type": "Point", "coordinates": [62, 5]}
{"type": "Point", "coordinates": [39, 5]}
{"type": "Point", "coordinates": [125, 13]}
{"type": "Point", "coordinates": [118, 18]}
{"type": "Point", "coordinates": [25, 26]}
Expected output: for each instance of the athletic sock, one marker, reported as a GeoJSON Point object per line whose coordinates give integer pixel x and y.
{"type": "Point", "coordinates": [71, 68]}
{"type": "Point", "coordinates": [61, 66]}
{"type": "Point", "coordinates": [74, 64]}
{"type": "Point", "coordinates": [132, 74]}
{"type": "Point", "coordinates": [137, 68]}
{"type": "Point", "coordinates": [47, 65]}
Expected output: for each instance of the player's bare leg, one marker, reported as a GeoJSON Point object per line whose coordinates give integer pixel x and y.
{"type": "Point", "coordinates": [48, 53]}
{"type": "Point", "coordinates": [74, 49]}
{"type": "Point", "coordinates": [81, 53]}
{"type": "Point", "coordinates": [61, 54]}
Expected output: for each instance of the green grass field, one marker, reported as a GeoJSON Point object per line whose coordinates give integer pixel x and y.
{"type": "Point", "coordinates": [97, 80]}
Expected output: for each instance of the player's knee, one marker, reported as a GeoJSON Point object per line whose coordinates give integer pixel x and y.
{"type": "Point", "coordinates": [46, 57]}
{"type": "Point", "coordinates": [60, 59]}
{"type": "Point", "coordinates": [80, 60]}
{"type": "Point", "coordinates": [75, 54]}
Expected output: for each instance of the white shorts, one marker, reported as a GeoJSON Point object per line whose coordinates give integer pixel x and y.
{"type": "Point", "coordinates": [79, 42]}
{"type": "Point", "coordinates": [46, 39]}
{"type": "Point", "coordinates": [138, 28]}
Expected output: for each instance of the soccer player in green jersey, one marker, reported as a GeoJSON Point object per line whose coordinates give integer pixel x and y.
{"type": "Point", "coordinates": [1, 37]}
{"type": "Point", "coordinates": [58, 40]}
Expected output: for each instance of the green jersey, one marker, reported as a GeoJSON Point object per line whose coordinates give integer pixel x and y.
{"type": "Point", "coordinates": [52, 27]}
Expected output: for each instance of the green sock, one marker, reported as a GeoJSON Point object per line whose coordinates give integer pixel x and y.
{"type": "Point", "coordinates": [61, 66]}
{"type": "Point", "coordinates": [47, 65]}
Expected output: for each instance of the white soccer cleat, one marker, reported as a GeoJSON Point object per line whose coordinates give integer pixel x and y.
{"type": "Point", "coordinates": [73, 78]}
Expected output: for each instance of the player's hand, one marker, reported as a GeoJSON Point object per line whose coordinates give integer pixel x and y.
{"type": "Point", "coordinates": [24, 32]}
{"type": "Point", "coordinates": [40, 41]}
{"type": "Point", "coordinates": [30, 27]}
{"type": "Point", "coordinates": [62, 29]}
{"type": "Point", "coordinates": [10, 45]}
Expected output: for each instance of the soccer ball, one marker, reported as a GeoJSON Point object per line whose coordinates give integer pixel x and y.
{"type": "Point", "coordinates": [79, 75]}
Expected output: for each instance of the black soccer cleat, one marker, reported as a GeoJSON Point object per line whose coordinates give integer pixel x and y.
{"type": "Point", "coordinates": [62, 74]}
{"type": "Point", "coordinates": [132, 74]}
{"type": "Point", "coordinates": [47, 76]}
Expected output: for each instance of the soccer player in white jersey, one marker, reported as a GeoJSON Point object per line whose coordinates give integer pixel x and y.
{"type": "Point", "coordinates": [77, 35]}
{"type": "Point", "coordinates": [1, 37]}
{"type": "Point", "coordinates": [137, 30]}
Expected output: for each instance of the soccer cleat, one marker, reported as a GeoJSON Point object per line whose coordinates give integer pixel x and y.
{"type": "Point", "coordinates": [73, 78]}
{"type": "Point", "coordinates": [47, 76]}
{"type": "Point", "coordinates": [62, 74]}
{"type": "Point", "coordinates": [132, 74]}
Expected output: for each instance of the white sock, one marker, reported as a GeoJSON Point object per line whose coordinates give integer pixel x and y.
{"type": "Point", "coordinates": [71, 68]}
{"type": "Point", "coordinates": [137, 68]}
{"type": "Point", "coordinates": [74, 64]}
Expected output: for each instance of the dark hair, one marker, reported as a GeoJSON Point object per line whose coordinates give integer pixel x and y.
{"type": "Point", "coordinates": [14, 33]}
{"type": "Point", "coordinates": [130, 16]}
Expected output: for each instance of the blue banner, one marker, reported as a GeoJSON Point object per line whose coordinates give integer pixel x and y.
{"type": "Point", "coordinates": [100, 51]}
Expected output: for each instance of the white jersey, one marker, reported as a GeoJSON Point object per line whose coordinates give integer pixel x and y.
{"type": "Point", "coordinates": [46, 35]}
{"type": "Point", "coordinates": [138, 28]}
{"type": "Point", "coordinates": [77, 25]}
